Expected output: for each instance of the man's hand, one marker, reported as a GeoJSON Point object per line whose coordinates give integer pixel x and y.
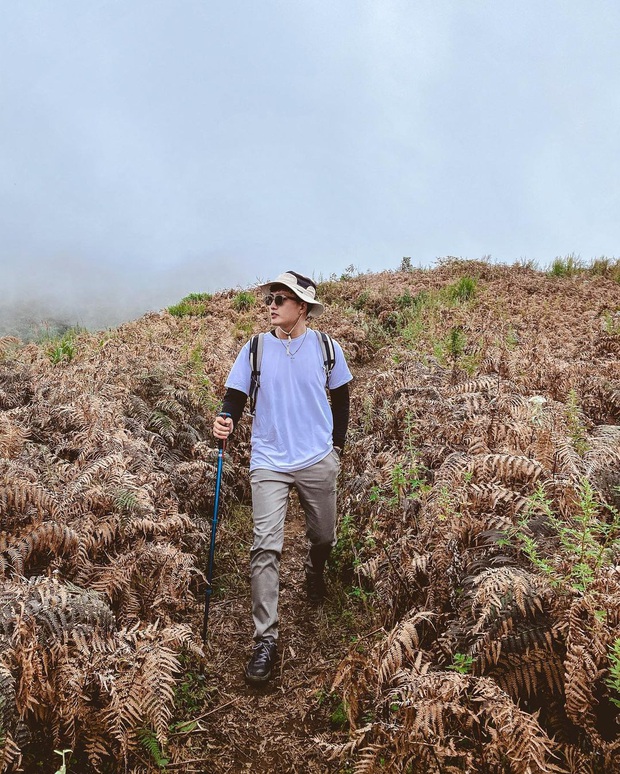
{"type": "Point", "coordinates": [222, 427]}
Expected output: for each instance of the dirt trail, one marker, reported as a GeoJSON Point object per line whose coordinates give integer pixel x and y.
{"type": "Point", "coordinates": [271, 728]}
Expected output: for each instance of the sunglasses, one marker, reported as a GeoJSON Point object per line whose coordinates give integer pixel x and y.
{"type": "Point", "coordinates": [278, 298]}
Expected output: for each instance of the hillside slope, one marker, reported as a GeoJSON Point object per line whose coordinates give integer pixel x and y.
{"type": "Point", "coordinates": [474, 613]}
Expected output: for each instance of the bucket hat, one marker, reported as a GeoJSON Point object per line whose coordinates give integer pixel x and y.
{"type": "Point", "coordinates": [303, 287]}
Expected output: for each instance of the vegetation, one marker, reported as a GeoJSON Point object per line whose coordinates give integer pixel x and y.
{"type": "Point", "coordinates": [473, 620]}
{"type": "Point", "coordinates": [196, 304]}
{"type": "Point", "coordinates": [572, 265]}
{"type": "Point", "coordinates": [566, 267]}
{"type": "Point", "coordinates": [243, 301]}
{"type": "Point", "coordinates": [462, 290]}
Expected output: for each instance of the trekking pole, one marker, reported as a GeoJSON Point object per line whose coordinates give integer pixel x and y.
{"type": "Point", "coordinates": [209, 590]}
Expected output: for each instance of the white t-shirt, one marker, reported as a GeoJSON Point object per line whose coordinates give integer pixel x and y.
{"type": "Point", "coordinates": [292, 427]}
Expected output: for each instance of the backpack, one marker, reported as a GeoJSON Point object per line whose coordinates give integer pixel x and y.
{"type": "Point", "coordinates": [256, 356]}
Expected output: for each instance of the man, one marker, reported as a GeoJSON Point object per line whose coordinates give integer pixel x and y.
{"type": "Point", "coordinates": [297, 440]}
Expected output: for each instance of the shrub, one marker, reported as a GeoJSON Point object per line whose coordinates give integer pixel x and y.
{"type": "Point", "coordinates": [577, 430]}
{"type": "Point", "coordinates": [586, 539]}
{"type": "Point", "coordinates": [193, 305]}
{"type": "Point", "coordinates": [414, 303]}
{"type": "Point", "coordinates": [243, 301]}
{"type": "Point", "coordinates": [62, 353]}
{"type": "Point", "coordinates": [613, 680]}
{"type": "Point", "coordinates": [606, 267]}
{"type": "Point", "coordinates": [462, 290]}
{"type": "Point", "coordinates": [611, 323]}
{"type": "Point", "coordinates": [62, 350]}
{"type": "Point", "coordinates": [350, 272]}
{"type": "Point", "coordinates": [527, 263]}
{"type": "Point", "coordinates": [404, 301]}
{"type": "Point", "coordinates": [566, 267]}
{"type": "Point", "coordinates": [199, 297]}
{"type": "Point", "coordinates": [361, 301]}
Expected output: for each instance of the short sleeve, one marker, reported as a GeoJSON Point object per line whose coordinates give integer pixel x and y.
{"type": "Point", "coordinates": [240, 374]}
{"type": "Point", "coordinates": [340, 373]}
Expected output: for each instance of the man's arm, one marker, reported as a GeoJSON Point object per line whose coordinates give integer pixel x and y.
{"type": "Point", "coordinates": [340, 414]}
{"type": "Point", "coordinates": [234, 403]}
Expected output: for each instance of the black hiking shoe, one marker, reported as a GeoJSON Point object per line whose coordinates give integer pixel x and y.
{"type": "Point", "coordinates": [315, 588]}
{"type": "Point", "coordinates": [258, 669]}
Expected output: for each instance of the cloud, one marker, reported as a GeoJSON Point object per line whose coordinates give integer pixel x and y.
{"type": "Point", "coordinates": [100, 295]}
{"type": "Point", "coordinates": [155, 149]}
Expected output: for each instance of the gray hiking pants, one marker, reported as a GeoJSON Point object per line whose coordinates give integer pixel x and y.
{"type": "Point", "coordinates": [316, 487]}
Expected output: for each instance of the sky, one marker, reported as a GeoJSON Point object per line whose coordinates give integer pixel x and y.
{"type": "Point", "coordinates": [154, 148]}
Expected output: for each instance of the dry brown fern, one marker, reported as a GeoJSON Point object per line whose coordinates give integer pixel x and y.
{"type": "Point", "coordinates": [402, 647]}
{"type": "Point", "coordinates": [88, 494]}
{"type": "Point", "coordinates": [75, 674]}
{"type": "Point", "coordinates": [487, 444]}
{"type": "Point", "coordinates": [589, 638]}
{"type": "Point", "coordinates": [106, 471]}
{"type": "Point", "coordinates": [435, 722]}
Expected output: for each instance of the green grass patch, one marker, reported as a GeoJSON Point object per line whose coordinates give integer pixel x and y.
{"type": "Point", "coordinates": [462, 290]}
{"type": "Point", "coordinates": [606, 267]}
{"type": "Point", "coordinates": [243, 301]}
{"type": "Point", "coordinates": [193, 305]}
{"type": "Point", "coordinates": [566, 267]}
{"type": "Point", "coordinates": [413, 304]}
{"type": "Point", "coordinates": [63, 349]}
{"type": "Point", "coordinates": [362, 300]}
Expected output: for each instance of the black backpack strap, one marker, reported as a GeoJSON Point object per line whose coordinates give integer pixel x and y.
{"type": "Point", "coordinates": [256, 356]}
{"type": "Point", "coordinates": [329, 355]}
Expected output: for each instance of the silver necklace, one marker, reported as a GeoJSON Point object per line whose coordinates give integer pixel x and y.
{"type": "Point", "coordinates": [287, 344]}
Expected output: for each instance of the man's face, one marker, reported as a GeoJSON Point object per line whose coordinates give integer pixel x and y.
{"type": "Point", "coordinates": [287, 314]}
